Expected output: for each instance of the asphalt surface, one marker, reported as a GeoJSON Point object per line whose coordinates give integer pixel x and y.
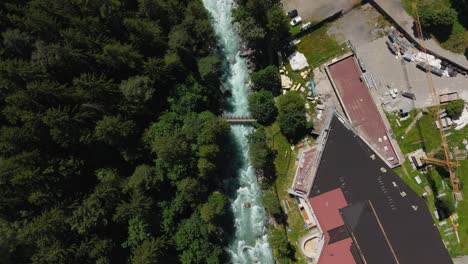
{"type": "Point", "coordinates": [317, 10]}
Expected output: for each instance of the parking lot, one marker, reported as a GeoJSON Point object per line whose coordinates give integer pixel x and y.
{"type": "Point", "coordinates": [317, 10]}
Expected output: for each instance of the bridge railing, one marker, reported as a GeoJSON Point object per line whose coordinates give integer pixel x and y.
{"type": "Point", "coordinates": [236, 117]}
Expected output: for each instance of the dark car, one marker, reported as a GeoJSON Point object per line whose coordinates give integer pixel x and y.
{"type": "Point", "coordinates": [409, 95]}
{"type": "Point", "coordinates": [293, 13]}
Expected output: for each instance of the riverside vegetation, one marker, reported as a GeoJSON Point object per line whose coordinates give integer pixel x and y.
{"type": "Point", "coordinates": [264, 27]}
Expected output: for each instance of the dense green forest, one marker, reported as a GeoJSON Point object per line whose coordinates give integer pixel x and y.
{"type": "Point", "coordinates": [263, 26]}
{"type": "Point", "coordinates": [110, 138]}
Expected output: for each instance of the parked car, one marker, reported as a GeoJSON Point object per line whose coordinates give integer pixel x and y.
{"type": "Point", "coordinates": [296, 21]}
{"type": "Point", "coordinates": [409, 95]}
{"type": "Point", "coordinates": [306, 26]}
{"type": "Point", "coordinates": [293, 13]}
{"type": "Point", "coordinates": [361, 65]}
{"type": "Point", "coordinates": [294, 42]}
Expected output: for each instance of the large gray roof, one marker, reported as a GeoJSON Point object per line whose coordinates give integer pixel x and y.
{"type": "Point", "coordinates": [406, 225]}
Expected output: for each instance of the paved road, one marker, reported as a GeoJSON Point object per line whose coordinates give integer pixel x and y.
{"type": "Point", "coordinates": [461, 260]}
{"type": "Point", "coordinates": [318, 10]}
{"type": "Point", "coordinates": [395, 9]}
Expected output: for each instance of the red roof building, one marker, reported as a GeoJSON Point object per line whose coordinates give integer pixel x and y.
{"type": "Point", "coordinates": [326, 207]}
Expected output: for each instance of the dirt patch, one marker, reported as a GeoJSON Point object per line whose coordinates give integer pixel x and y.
{"type": "Point", "coordinates": [360, 26]}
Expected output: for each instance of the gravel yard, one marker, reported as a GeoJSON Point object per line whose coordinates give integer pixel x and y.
{"type": "Point", "coordinates": [365, 29]}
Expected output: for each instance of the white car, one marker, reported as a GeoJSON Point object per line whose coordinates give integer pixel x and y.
{"type": "Point", "coordinates": [306, 26]}
{"type": "Point", "coordinates": [296, 21]}
{"type": "Point", "coordinates": [294, 42]}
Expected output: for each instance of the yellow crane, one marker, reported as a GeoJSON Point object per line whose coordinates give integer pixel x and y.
{"type": "Point", "coordinates": [439, 162]}
{"type": "Point", "coordinates": [447, 162]}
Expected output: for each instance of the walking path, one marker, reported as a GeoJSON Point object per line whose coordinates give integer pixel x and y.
{"type": "Point", "coordinates": [395, 9]}
{"type": "Point", "coordinates": [460, 260]}
{"type": "Point", "coordinates": [413, 123]}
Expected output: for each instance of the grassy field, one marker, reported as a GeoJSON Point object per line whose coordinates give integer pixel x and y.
{"type": "Point", "coordinates": [319, 47]}
{"type": "Point", "coordinates": [462, 248]}
{"type": "Point", "coordinates": [425, 135]}
{"type": "Point", "coordinates": [284, 164]}
{"type": "Point", "coordinates": [456, 40]}
{"type": "Point", "coordinates": [294, 30]}
{"type": "Point", "coordinates": [400, 130]}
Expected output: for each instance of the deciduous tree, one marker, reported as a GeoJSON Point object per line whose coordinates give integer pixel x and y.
{"type": "Point", "coordinates": [262, 106]}
{"type": "Point", "coordinates": [291, 118]}
{"type": "Point", "coordinates": [268, 79]}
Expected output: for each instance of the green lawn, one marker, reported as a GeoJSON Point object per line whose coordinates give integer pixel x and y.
{"type": "Point", "coordinates": [400, 130]}
{"type": "Point", "coordinates": [294, 30]}
{"type": "Point", "coordinates": [284, 164]}
{"type": "Point", "coordinates": [462, 248]}
{"type": "Point", "coordinates": [319, 47]}
{"type": "Point", "coordinates": [425, 135]}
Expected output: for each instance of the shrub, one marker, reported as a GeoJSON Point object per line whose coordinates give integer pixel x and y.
{"type": "Point", "coordinates": [272, 205]}
{"type": "Point", "coordinates": [281, 246]}
{"type": "Point", "coordinates": [444, 207]}
{"type": "Point", "coordinates": [455, 108]}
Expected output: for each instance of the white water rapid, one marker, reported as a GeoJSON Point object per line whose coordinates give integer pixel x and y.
{"type": "Point", "coordinates": [250, 242]}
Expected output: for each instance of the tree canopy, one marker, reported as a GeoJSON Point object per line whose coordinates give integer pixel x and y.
{"type": "Point", "coordinates": [264, 26]}
{"type": "Point", "coordinates": [259, 151]}
{"type": "Point", "coordinates": [455, 108]}
{"type": "Point", "coordinates": [436, 17]}
{"type": "Point", "coordinates": [262, 106]}
{"type": "Point", "coordinates": [291, 118]}
{"type": "Point", "coordinates": [110, 140]}
{"type": "Point", "coordinates": [267, 79]}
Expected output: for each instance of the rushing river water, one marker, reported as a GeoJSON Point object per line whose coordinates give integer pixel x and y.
{"type": "Point", "coordinates": [250, 243]}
